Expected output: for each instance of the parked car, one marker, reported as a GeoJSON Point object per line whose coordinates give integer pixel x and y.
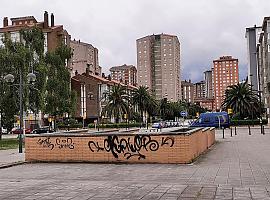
{"type": "Point", "coordinates": [17, 131]}
{"type": "Point", "coordinates": [157, 125]}
{"type": "Point", "coordinates": [45, 129]}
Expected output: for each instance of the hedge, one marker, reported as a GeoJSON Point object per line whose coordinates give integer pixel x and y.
{"type": "Point", "coordinates": [120, 125]}
{"type": "Point", "coordinates": [62, 125]}
{"type": "Point", "coordinates": [248, 122]}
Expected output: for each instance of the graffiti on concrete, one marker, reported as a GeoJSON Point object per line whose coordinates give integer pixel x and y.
{"type": "Point", "coordinates": [130, 147]}
{"type": "Point", "coordinates": [59, 142]}
{"type": "Point", "coordinates": [46, 143]}
{"type": "Point", "coordinates": [64, 143]}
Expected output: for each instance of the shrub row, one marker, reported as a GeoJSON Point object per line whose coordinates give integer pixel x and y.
{"type": "Point", "coordinates": [65, 126]}
{"type": "Point", "coordinates": [120, 125]}
{"type": "Point", "coordinates": [248, 122]}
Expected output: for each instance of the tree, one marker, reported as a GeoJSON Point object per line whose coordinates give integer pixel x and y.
{"type": "Point", "coordinates": [142, 98]}
{"type": "Point", "coordinates": [59, 99]}
{"type": "Point", "coordinates": [242, 100]}
{"type": "Point", "coordinates": [13, 59]}
{"type": "Point", "coordinates": [117, 102]}
{"type": "Point", "coordinates": [34, 40]}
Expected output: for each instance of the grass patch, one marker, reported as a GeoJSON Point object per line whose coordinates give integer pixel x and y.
{"type": "Point", "coordinates": [8, 144]}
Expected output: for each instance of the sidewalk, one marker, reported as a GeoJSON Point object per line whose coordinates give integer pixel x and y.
{"type": "Point", "coordinates": [10, 158]}
{"type": "Point", "coordinates": [236, 167]}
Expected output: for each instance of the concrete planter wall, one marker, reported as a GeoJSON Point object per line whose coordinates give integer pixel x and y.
{"type": "Point", "coordinates": [171, 147]}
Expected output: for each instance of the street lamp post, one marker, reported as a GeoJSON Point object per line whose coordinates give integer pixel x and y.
{"type": "Point", "coordinates": [31, 77]}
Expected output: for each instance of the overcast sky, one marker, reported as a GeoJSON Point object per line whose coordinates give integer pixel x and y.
{"type": "Point", "coordinates": [206, 29]}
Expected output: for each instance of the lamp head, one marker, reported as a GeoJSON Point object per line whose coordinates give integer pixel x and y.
{"type": "Point", "coordinates": [9, 78]}
{"type": "Point", "coordinates": [31, 77]}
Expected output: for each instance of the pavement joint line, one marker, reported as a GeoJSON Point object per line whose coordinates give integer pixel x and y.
{"type": "Point", "coordinates": [3, 166]}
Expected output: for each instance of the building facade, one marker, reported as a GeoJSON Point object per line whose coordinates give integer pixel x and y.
{"type": "Point", "coordinates": [124, 73]}
{"type": "Point", "coordinates": [208, 84]}
{"type": "Point", "coordinates": [91, 92]}
{"type": "Point", "coordinates": [225, 73]}
{"type": "Point", "coordinates": [263, 56]}
{"type": "Point", "coordinates": [54, 35]}
{"type": "Point", "coordinates": [158, 63]}
{"type": "Point", "coordinates": [252, 36]}
{"type": "Point", "coordinates": [84, 56]}
{"type": "Point", "coordinates": [199, 89]}
{"type": "Point", "coordinates": [187, 91]}
{"type": "Point", "coordinates": [208, 103]}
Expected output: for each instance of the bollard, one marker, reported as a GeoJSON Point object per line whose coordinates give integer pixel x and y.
{"type": "Point", "coordinates": [223, 134]}
{"type": "Point", "coordinates": [235, 131]}
{"type": "Point", "coordinates": [249, 132]}
{"type": "Point", "coordinates": [231, 132]}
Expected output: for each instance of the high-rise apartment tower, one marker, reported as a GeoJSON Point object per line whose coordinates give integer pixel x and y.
{"type": "Point", "coordinates": [252, 36]}
{"type": "Point", "coordinates": [124, 73]}
{"type": "Point", "coordinates": [225, 73]}
{"type": "Point", "coordinates": [158, 63]}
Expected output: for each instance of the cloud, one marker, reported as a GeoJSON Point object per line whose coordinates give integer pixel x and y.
{"type": "Point", "coordinates": [206, 29]}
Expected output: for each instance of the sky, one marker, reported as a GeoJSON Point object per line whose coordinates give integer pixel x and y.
{"type": "Point", "coordinates": [206, 29]}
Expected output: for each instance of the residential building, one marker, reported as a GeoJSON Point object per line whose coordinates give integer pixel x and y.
{"type": "Point", "coordinates": [158, 64]}
{"type": "Point", "coordinates": [263, 56]}
{"type": "Point", "coordinates": [199, 89]}
{"type": "Point", "coordinates": [225, 73]}
{"type": "Point", "coordinates": [124, 73]}
{"type": "Point", "coordinates": [91, 92]}
{"type": "Point", "coordinates": [84, 56]}
{"type": "Point", "coordinates": [53, 34]}
{"type": "Point", "coordinates": [252, 36]}
{"type": "Point", "coordinates": [187, 91]}
{"type": "Point", "coordinates": [208, 84]}
{"type": "Point", "coordinates": [208, 103]}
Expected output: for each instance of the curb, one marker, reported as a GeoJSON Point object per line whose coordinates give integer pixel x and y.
{"type": "Point", "coordinates": [2, 166]}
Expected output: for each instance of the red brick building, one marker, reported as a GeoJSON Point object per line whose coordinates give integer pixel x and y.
{"type": "Point", "coordinates": [208, 103]}
{"type": "Point", "coordinates": [225, 73]}
{"type": "Point", "coordinates": [53, 34]}
{"type": "Point", "coordinates": [91, 91]}
{"type": "Point", "coordinates": [124, 73]}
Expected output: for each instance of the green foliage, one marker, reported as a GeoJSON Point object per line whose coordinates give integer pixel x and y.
{"type": "Point", "coordinates": [117, 104]}
{"type": "Point", "coordinates": [243, 101]}
{"type": "Point", "coordinates": [145, 102]}
{"type": "Point", "coordinates": [116, 125]}
{"type": "Point", "coordinates": [13, 59]}
{"type": "Point", "coordinates": [248, 122]}
{"type": "Point", "coordinates": [59, 99]}
{"type": "Point", "coordinates": [51, 91]}
{"type": "Point", "coordinates": [8, 144]}
{"type": "Point", "coordinates": [69, 123]}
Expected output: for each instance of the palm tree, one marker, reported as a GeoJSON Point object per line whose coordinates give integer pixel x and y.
{"type": "Point", "coordinates": [242, 100]}
{"type": "Point", "coordinates": [141, 97]}
{"type": "Point", "coordinates": [117, 102]}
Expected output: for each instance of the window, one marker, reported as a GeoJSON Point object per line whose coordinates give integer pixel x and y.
{"type": "Point", "coordinates": [1, 39]}
{"type": "Point", "coordinates": [268, 47]}
{"type": "Point", "coordinates": [15, 36]}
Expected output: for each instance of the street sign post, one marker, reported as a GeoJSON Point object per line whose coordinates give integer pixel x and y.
{"type": "Point", "coordinates": [183, 113]}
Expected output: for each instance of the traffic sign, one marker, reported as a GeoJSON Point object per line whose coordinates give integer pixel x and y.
{"type": "Point", "coordinates": [183, 113]}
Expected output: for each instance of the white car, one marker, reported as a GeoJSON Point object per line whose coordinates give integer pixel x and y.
{"type": "Point", "coordinates": [4, 131]}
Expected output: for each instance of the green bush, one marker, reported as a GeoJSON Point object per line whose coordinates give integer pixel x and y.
{"type": "Point", "coordinates": [71, 123]}
{"type": "Point", "coordinates": [248, 122]}
{"type": "Point", "coordinates": [120, 125]}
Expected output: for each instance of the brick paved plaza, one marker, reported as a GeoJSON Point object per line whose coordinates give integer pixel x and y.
{"type": "Point", "coordinates": [236, 167]}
